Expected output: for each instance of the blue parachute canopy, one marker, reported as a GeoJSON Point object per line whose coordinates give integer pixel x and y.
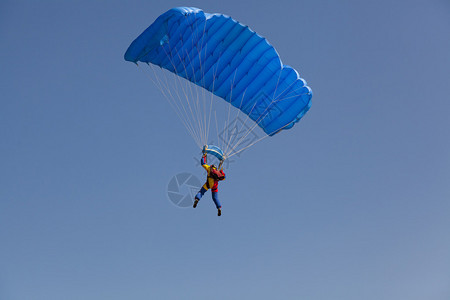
{"type": "Point", "coordinates": [228, 59]}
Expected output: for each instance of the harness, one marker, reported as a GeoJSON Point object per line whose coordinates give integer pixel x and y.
{"type": "Point", "coordinates": [207, 182]}
{"type": "Point", "coordinates": [215, 175]}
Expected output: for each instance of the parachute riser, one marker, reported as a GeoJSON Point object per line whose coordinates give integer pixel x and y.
{"type": "Point", "coordinates": [215, 151]}
{"type": "Point", "coordinates": [221, 163]}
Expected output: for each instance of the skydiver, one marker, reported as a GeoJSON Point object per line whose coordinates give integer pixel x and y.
{"type": "Point", "coordinates": [212, 182]}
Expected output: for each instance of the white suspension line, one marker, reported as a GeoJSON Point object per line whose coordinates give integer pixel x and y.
{"type": "Point", "coordinates": [159, 84]}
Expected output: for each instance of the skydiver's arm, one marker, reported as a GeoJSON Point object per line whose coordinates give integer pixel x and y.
{"type": "Point", "coordinates": [203, 162]}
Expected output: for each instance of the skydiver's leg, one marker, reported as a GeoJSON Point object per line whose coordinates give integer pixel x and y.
{"type": "Point", "coordinates": [200, 193]}
{"type": "Point", "coordinates": [215, 197]}
{"type": "Point", "coordinates": [199, 196]}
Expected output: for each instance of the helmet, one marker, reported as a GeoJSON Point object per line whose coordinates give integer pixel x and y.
{"type": "Point", "coordinates": [213, 166]}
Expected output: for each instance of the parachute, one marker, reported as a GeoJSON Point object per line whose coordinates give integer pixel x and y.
{"type": "Point", "coordinates": [213, 150]}
{"type": "Point", "coordinates": [229, 60]}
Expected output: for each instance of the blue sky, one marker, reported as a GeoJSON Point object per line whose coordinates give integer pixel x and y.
{"type": "Point", "coordinates": [352, 203]}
